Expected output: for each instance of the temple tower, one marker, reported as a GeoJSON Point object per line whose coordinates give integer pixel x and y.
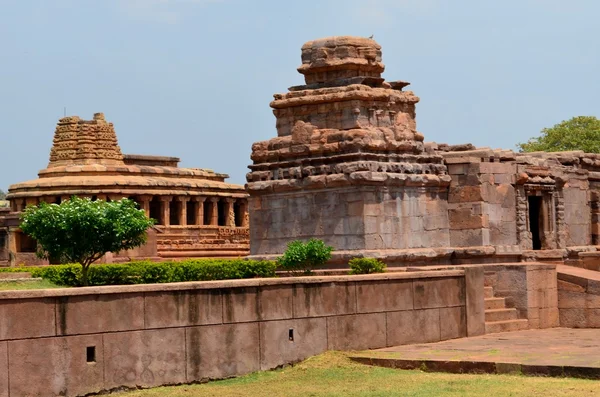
{"type": "Point", "coordinates": [348, 165]}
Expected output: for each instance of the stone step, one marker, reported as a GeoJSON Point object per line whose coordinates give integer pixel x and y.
{"type": "Point", "coordinates": [501, 314]}
{"type": "Point", "coordinates": [488, 292]}
{"type": "Point", "coordinates": [493, 327]}
{"type": "Point", "coordinates": [14, 275]}
{"type": "Point", "coordinates": [494, 303]}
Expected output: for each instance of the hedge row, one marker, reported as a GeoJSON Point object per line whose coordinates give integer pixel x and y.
{"type": "Point", "coordinates": [145, 272]}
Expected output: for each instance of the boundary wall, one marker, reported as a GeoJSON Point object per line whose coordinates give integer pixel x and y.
{"type": "Point", "coordinates": [70, 342]}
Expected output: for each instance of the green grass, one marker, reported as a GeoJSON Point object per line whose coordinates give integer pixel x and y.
{"type": "Point", "coordinates": [20, 285]}
{"type": "Point", "coordinates": [333, 374]}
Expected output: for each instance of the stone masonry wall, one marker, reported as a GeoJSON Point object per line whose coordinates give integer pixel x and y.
{"type": "Point", "coordinates": [579, 298]}
{"type": "Point", "coordinates": [578, 216]}
{"type": "Point", "coordinates": [71, 342]}
{"type": "Point", "coordinates": [358, 218]}
{"type": "Point", "coordinates": [531, 288]}
{"type": "Point", "coordinates": [481, 203]}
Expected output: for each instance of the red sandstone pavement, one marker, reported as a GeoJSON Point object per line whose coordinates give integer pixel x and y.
{"type": "Point", "coordinates": [555, 352]}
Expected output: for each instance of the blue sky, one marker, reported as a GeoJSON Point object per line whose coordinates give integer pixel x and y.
{"type": "Point", "coordinates": [194, 78]}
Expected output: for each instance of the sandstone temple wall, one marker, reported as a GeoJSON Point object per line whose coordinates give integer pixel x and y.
{"type": "Point", "coordinates": [356, 218]}
{"type": "Point", "coordinates": [75, 341]}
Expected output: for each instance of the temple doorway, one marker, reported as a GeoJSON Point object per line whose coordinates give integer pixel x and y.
{"type": "Point", "coordinates": [535, 221]}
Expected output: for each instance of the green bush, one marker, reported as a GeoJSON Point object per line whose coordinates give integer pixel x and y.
{"type": "Point", "coordinates": [366, 266]}
{"type": "Point", "coordinates": [144, 272]}
{"type": "Point", "coordinates": [302, 257]}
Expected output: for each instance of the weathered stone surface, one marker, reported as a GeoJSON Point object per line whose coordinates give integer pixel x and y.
{"type": "Point", "coordinates": [220, 351]}
{"type": "Point", "coordinates": [288, 341]}
{"type": "Point", "coordinates": [127, 313]}
{"type": "Point", "coordinates": [356, 332]}
{"type": "Point", "coordinates": [413, 326]}
{"type": "Point", "coordinates": [56, 366]}
{"type": "Point", "coordinates": [182, 308]}
{"type": "Point", "coordinates": [28, 318]}
{"type": "Point", "coordinates": [380, 296]}
{"type": "Point", "coordinates": [324, 300]}
{"type": "Point", "coordinates": [4, 392]}
{"type": "Point", "coordinates": [439, 293]}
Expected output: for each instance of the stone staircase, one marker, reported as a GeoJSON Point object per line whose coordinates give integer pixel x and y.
{"type": "Point", "coordinates": [498, 317]}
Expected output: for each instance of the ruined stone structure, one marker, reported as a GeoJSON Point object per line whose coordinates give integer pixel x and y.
{"type": "Point", "coordinates": [349, 166]}
{"type": "Point", "coordinates": [198, 214]}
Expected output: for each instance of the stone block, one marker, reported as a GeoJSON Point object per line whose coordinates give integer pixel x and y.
{"type": "Point", "coordinates": [469, 237]}
{"type": "Point", "coordinates": [453, 322]}
{"type": "Point", "coordinates": [439, 292]}
{"type": "Point", "coordinates": [144, 358]}
{"type": "Point", "coordinates": [464, 194]}
{"type": "Point", "coordinates": [4, 369]}
{"type": "Point", "coordinates": [240, 305]}
{"type": "Point", "coordinates": [509, 279]}
{"type": "Point", "coordinates": [56, 366]}
{"type": "Point", "coordinates": [275, 302]}
{"type": "Point", "coordinates": [221, 351]}
{"type": "Point", "coordinates": [549, 317]}
{"type": "Point", "coordinates": [27, 318]}
{"type": "Point", "coordinates": [183, 308]}
{"type": "Point", "coordinates": [461, 221]}
{"type": "Point", "coordinates": [288, 341]}
{"type": "Point", "coordinates": [324, 299]}
{"type": "Point", "coordinates": [474, 300]}
{"type": "Point", "coordinates": [382, 296]}
{"type": "Point", "coordinates": [572, 318]}
{"type": "Point", "coordinates": [356, 332]}
{"type": "Point", "coordinates": [102, 313]}
{"type": "Point", "coordinates": [413, 326]}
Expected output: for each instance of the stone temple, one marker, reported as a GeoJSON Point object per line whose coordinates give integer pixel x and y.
{"type": "Point", "coordinates": [349, 166]}
{"type": "Point", "coordinates": [198, 214]}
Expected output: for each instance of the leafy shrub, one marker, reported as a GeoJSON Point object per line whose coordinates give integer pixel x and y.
{"type": "Point", "coordinates": [366, 266]}
{"type": "Point", "coordinates": [302, 257]}
{"type": "Point", "coordinates": [144, 272]}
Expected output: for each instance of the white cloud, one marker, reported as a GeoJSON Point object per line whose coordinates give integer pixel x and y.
{"type": "Point", "coordinates": [163, 11]}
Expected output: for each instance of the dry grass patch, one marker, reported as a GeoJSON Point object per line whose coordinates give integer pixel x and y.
{"type": "Point", "coordinates": [333, 374]}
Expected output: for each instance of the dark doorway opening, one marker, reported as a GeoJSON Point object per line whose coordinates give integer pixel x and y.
{"type": "Point", "coordinates": [222, 215]}
{"type": "Point", "coordinates": [208, 205]}
{"type": "Point", "coordinates": [237, 211]}
{"type": "Point", "coordinates": [156, 210]}
{"type": "Point", "coordinates": [535, 211]}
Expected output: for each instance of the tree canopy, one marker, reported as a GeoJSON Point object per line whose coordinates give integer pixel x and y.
{"type": "Point", "coordinates": [81, 231]}
{"type": "Point", "coordinates": [578, 133]}
{"type": "Point", "coordinates": [2, 194]}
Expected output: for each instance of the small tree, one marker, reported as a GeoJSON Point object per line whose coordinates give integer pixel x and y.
{"type": "Point", "coordinates": [82, 231]}
{"type": "Point", "coordinates": [2, 194]}
{"type": "Point", "coordinates": [578, 133]}
{"type": "Point", "coordinates": [302, 257]}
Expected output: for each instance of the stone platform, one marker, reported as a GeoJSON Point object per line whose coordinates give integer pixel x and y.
{"type": "Point", "coordinates": [549, 352]}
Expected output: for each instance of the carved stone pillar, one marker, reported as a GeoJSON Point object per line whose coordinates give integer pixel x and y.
{"type": "Point", "coordinates": [165, 210]}
{"type": "Point", "coordinates": [199, 216]}
{"type": "Point", "coordinates": [19, 205]}
{"type": "Point", "coordinates": [182, 215]}
{"type": "Point", "coordinates": [229, 214]}
{"type": "Point", "coordinates": [214, 211]}
{"type": "Point", "coordinates": [145, 204]}
{"type": "Point", "coordinates": [243, 213]}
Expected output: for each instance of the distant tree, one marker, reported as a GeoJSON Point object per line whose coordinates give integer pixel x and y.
{"type": "Point", "coordinates": [2, 194]}
{"type": "Point", "coordinates": [578, 133]}
{"type": "Point", "coordinates": [82, 231]}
